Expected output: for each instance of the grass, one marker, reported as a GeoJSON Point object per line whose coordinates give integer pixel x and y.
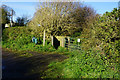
{"type": "Point", "coordinates": [23, 50]}
{"type": "Point", "coordinates": [83, 64]}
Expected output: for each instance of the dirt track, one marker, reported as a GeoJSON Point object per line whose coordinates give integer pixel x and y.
{"type": "Point", "coordinates": [26, 68]}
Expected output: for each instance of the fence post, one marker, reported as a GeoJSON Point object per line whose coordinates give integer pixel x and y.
{"type": "Point", "coordinates": [68, 41]}
{"type": "Point", "coordinates": [62, 42]}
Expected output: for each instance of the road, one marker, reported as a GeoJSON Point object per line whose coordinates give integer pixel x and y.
{"type": "Point", "coordinates": [26, 68]}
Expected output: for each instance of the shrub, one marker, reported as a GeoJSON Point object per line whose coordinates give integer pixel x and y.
{"type": "Point", "coordinates": [84, 64]}
{"type": "Point", "coordinates": [104, 33]}
{"type": "Point", "coordinates": [61, 49]}
{"type": "Point", "coordinates": [16, 37]}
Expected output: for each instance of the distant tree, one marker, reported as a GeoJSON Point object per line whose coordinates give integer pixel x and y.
{"type": "Point", "coordinates": [22, 21]}
{"type": "Point", "coordinates": [19, 21]}
{"type": "Point", "coordinates": [26, 19]}
{"type": "Point", "coordinates": [82, 18]}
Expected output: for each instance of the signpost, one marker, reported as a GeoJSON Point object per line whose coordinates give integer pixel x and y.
{"type": "Point", "coordinates": [78, 40]}
{"type": "Point", "coordinates": [43, 35]}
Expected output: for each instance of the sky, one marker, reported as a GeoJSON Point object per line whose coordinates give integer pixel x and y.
{"type": "Point", "coordinates": [28, 8]}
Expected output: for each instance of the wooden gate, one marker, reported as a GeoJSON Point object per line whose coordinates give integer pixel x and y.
{"type": "Point", "coordinates": [67, 42]}
{"type": "Point", "coordinates": [72, 44]}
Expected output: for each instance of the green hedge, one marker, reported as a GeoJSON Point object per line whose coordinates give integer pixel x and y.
{"type": "Point", "coordinates": [20, 38]}
{"type": "Point", "coordinates": [84, 64]}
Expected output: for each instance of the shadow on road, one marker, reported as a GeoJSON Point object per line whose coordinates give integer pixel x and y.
{"type": "Point", "coordinates": [26, 68]}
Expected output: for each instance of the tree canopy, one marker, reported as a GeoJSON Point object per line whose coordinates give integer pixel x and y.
{"type": "Point", "coordinates": [22, 21]}
{"type": "Point", "coordinates": [61, 18]}
{"type": "Point", "coordinates": [7, 13]}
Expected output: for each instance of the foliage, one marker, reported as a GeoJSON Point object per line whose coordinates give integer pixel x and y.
{"type": "Point", "coordinates": [100, 39]}
{"type": "Point", "coordinates": [80, 18]}
{"type": "Point", "coordinates": [99, 57]}
{"type": "Point", "coordinates": [60, 18]}
{"type": "Point", "coordinates": [84, 64]}
{"type": "Point", "coordinates": [16, 34]}
{"type": "Point", "coordinates": [22, 21]}
{"type": "Point", "coordinates": [5, 17]}
{"type": "Point", "coordinates": [103, 34]}
{"type": "Point", "coordinates": [61, 49]}
{"type": "Point", "coordinates": [20, 38]}
{"type": "Point", "coordinates": [6, 12]}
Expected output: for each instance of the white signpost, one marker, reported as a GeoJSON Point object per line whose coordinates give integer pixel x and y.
{"type": "Point", "coordinates": [78, 40]}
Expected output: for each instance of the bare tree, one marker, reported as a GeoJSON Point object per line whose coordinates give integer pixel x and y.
{"type": "Point", "coordinates": [60, 18]}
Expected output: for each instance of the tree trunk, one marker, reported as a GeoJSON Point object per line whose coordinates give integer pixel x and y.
{"type": "Point", "coordinates": [44, 38]}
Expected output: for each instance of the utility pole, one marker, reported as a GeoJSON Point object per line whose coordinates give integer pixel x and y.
{"type": "Point", "coordinates": [119, 5]}
{"type": "Point", "coordinates": [11, 20]}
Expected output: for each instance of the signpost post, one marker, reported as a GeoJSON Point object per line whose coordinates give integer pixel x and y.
{"type": "Point", "coordinates": [43, 35]}
{"type": "Point", "coordinates": [78, 40]}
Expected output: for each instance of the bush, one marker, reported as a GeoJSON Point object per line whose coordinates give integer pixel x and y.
{"type": "Point", "coordinates": [61, 49]}
{"type": "Point", "coordinates": [104, 33]}
{"type": "Point", "coordinates": [84, 64]}
{"type": "Point", "coordinates": [18, 38]}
